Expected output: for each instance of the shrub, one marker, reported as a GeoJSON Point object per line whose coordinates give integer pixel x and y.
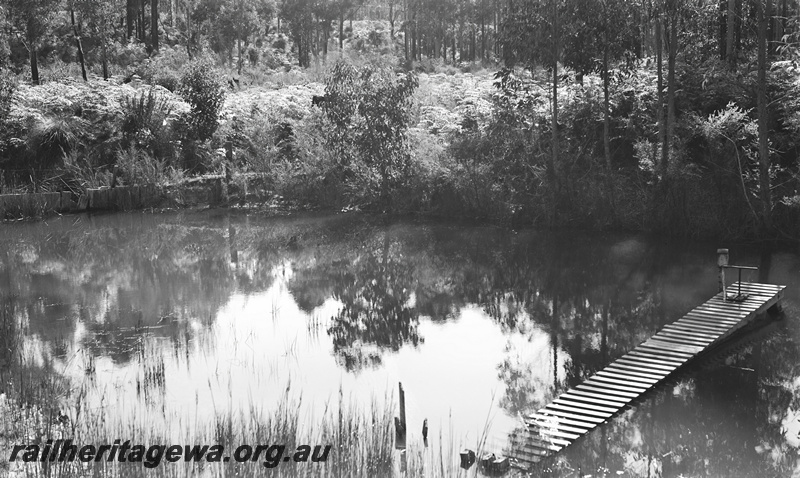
{"type": "Point", "coordinates": [144, 124]}
{"type": "Point", "coordinates": [168, 79]}
{"type": "Point", "coordinates": [80, 174]}
{"type": "Point", "coordinates": [128, 53]}
{"type": "Point", "coordinates": [253, 55]}
{"type": "Point", "coordinates": [369, 109]}
{"type": "Point", "coordinates": [314, 175]}
{"type": "Point", "coordinates": [8, 85]}
{"type": "Point", "coordinates": [50, 138]}
{"type": "Point", "coordinates": [136, 166]}
{"type": "Point", "coordinates": [163, 69]}
{"type": "Point", "coordinates": [202, 87]}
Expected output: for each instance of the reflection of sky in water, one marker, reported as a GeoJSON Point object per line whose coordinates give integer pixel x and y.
{"type": "Point", "coordinates": [261, 344]}
{"type": "Point", "coordinates": [235, 310]}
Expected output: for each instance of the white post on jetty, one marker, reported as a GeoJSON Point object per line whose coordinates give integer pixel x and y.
{"type": "Point", "coordinates": [722, 261]}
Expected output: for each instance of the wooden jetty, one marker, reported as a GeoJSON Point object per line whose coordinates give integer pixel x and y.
{"type": "Point", "coordinates": [578, 410]}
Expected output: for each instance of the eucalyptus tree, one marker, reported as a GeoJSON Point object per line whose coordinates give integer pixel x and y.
{"type": "Point", "coordinates": [30, 20]}
{"type": "Point", "coordinates": [667, 14]}
{"type": "Point", "coordinates": [76, 31]}
{"type": "Point", "coordinates": [325, 13]}
{"type": "Point", "coordinates": [530, 38]}
{"type": "Point", "coordinates": [299, 15]}
{"type": "Point", "coordinates": [763, 13]}
{"type": "Point", "coordinates": [4, 28]}
{"type": "Point", "coordinates": [241, 21]}
{"type": "Point", "coordinates": [100, 17]}
{"type": "Point", "coordinates": [154, 25]}
{"type": "Point", "coordinates": [601, 32]}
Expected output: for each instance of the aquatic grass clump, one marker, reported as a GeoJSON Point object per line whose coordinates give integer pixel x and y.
{"type": "Point", "coordinates": [347, 440]}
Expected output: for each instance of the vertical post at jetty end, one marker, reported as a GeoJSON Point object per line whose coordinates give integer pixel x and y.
{"type": "Point", "coordinates": [722, 261]}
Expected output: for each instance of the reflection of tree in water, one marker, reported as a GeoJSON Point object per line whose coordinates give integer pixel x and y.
{"type": "Point", "coordinates": [589, 308]}
{"type": "Point", "coordinates": [123, 276]}
{"type": "Point", "coordinates": [376, 313]}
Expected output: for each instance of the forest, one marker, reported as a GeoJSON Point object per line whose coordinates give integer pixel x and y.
{"type": "Point", "coordinates": [670, 116]}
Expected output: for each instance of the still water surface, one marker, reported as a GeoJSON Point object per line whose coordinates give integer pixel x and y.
{"type": "Point", "coordinates": [481, 325]}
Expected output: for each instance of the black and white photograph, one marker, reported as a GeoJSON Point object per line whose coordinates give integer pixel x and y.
{"type": "Point", "coordinates": [399, 238]}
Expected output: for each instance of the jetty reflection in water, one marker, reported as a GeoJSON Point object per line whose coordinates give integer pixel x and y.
{"type": "Point", "coordinates": [185, 314]}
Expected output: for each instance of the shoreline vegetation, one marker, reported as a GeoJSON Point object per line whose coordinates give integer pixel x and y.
{"type": "Point", "coordinates": [360, 132]}
{"type": "Point", "coordinates": [361, 439]}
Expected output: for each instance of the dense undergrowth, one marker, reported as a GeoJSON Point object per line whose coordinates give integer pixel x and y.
{"type": "Point", "coordinates": [437, 140]}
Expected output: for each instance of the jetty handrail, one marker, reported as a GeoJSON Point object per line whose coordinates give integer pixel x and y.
{"type": "Point", "coordinates": [738, 292]}
{"type": "Point", "coordinates": [722, 264]}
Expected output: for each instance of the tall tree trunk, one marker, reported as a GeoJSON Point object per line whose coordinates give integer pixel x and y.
{"type": "Point", "coordinates": [784, 17]}
{"type": "Point", "coordinates": [326, 35]}
{"type": "Point", "coordinates": [554, 329]}
{"type": "Point", "coordinates": [154, 25]}
{"type": "Point", "coordinates": [738, 30]}
{"type": "Point", "coordinates": [414, 39]}
{"type": "Point", "coordinates": [730, 44]}
{"type": "Point", "coordinates": [551, 169]}
{"type": "Point", "coordinates": [644, 28]}
{"type": "Point", "coordinates": [32, 40]}
{"type": "Point", "coordinates": [391, 20]}
{"type": "Point", "coordinates": [777, 29]}
{"type": "Point", "coordinates": [239, 53]}
{"type": "Point", "coordinates": [763, 132]}
{"type": "Point", "coordinates": [405, 27]}
{"type": "Point", "coordinates": [130, 17]}
{"type": "Point", "coordinates": [34, 66]}
{"type": "Point", "coordinates": [104, 59]}
{"type": "Point", "coordinates": [722, 28]}
{"type": "Point", "coordinates": [77, 35]}
{"type": "Point", "coordinates": [406, 47]}
{"type": "Point", "coordinates": [315, 41]}
{"type": "Point", "coordinates": [483, 39]}
{"type": "Point", "coordinates": [662, 130]}
{"type": "Point", "coordinates": [187, 16]}
{"type": "Point", "coordinates": [496, 44]}
{"type": "Point", "coordinates": [606, 120]}
{"type": "Point", "coordinates": [672, 49]}
{"type": "Point", "coordinates": [140, 22]}
{"type": "Point", "coordinates": [341, 32]}
{"type": "Point", "coordinates": [472, 46]}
